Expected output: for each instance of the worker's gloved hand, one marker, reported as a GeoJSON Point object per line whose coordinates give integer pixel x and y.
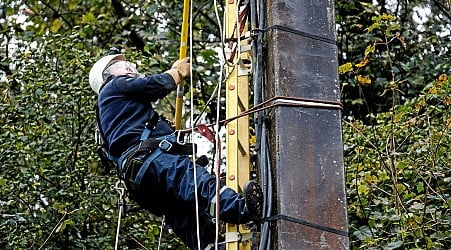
{"type": "Point", "coordinates": [182, 66]}
{"type": "Point", "coordinates": [180, 69]}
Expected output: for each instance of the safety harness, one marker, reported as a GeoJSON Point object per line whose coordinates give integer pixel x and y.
{"type": "Point", "coordinates": [131, 169]}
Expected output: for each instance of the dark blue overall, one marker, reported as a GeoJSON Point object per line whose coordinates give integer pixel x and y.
{"type": "Point", "coordinates": [166, 184]}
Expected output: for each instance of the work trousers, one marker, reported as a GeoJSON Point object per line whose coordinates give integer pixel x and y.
{"type": "Point", "coordinates": [168, 188]}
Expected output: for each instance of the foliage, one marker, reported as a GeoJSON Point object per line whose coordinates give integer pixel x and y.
{"type": "Point", "coordinates": [397, 155]}
{"type": "Point", "coordinates": [398, 174]}
{"type": "Point", "coordinates": [397, 47]}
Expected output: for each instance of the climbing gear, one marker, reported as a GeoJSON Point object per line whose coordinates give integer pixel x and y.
{"type": "Point", "coordinates": [120, 188]}
{"type": "Point", "coordinates": [161, 231]}
{"type": "Point", "coordinates": [134, 163]}
{"type": "Point", "coordinates": [95, 74]}
{"type": "Point", "coordinates": [253, 196]}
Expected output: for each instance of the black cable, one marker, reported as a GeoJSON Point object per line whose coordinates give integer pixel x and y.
{"type": "Point", "coordinates": [306, 223]}
{"type": "Point", "coordinates": [297, 32]}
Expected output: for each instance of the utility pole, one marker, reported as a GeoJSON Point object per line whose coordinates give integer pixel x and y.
{"type": "Point", "coordinates": [305, 131]}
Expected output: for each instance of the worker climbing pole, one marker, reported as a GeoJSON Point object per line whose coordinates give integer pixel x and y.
{"type": "Point", "coordinates": [155, 163]}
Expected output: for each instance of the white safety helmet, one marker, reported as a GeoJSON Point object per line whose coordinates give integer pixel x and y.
{"type": "Point", "coordinates": [95, 75]}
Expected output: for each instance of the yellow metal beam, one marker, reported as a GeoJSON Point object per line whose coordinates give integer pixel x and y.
{"type": "Point", "coordinates": [237, 137]}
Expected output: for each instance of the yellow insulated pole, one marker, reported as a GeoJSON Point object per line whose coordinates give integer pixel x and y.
{"type": "Point", "coordinates": [183, 49]}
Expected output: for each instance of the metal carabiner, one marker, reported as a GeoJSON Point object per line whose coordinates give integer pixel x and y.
{"type": "Point", "coordinates": [120, 188]}
{"type": "Point", "coordinates": [179, 135]}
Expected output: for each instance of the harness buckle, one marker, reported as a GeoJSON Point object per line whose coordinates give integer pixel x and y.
{"type": "Point", "coordinates": [165, 145]}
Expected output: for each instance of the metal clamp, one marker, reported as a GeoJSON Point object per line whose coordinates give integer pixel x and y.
{"type": "Point", "coordinates": [237, 237]}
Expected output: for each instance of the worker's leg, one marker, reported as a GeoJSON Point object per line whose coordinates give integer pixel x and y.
{"type": "Point", "coordinates": [168, 187]}
{"type": "Point", "coordinates": [184, 224]}
{"type": "Point", "coordinates": [175, 175]}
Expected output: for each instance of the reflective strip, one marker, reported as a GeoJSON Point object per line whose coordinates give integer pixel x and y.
{"type": "Point", "coordinates": [213, 202]}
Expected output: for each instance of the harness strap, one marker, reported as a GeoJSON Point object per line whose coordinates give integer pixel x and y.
{"type": "Point", "coordinates": [170, 147]}
{"type": "Point", "coordinates": [145, 166]}
{"type": "Point", "coordinates": [152, 148]}
{"type": "Point", "coordinates": [150, 126]}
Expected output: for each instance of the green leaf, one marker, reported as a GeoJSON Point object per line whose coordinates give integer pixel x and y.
{"type": "Point", "coordinates": [56, 25]}
{"type": "Point", "coordinates": [370, 49]}
{"type": "Point", "coordinates": [345, 68]}
{"type": "Point", "coordinates": [420, 187]}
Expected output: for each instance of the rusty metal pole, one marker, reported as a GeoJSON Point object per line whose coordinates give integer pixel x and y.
{"type": "Point", "coordinates": [308, 171]}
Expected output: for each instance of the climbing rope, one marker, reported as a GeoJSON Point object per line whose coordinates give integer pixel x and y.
{"type": "Point", "coordinates": [161, 231]}
{"type": "Point", "coordinates": [120, 188]}
{"type": "Point", "coordinates": [191, 122]}
{"type": "Point", "coordinates": [218, 154]}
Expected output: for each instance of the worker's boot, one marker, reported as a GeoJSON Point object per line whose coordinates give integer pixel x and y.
{"type": "Point", "coordinates": [253, 196]}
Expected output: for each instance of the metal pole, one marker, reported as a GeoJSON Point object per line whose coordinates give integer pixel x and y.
{"type": "Point", "coordinates": [308, 173]}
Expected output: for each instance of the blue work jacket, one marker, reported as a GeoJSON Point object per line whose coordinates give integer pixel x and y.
{"type": "Point", "coordinates": [125, 106]}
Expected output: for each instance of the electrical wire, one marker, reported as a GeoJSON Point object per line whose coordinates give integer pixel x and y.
{"type": "Point", "coordinates": [223, 34]}
{"type": "Point", "coordinates": [192, 122]}
{"type": "Point", "coordinates": [263, 155]}
{"type": "Point", "coordinates": [218, 154]}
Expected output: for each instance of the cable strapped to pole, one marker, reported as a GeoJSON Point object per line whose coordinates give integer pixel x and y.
{"type": "Point", "coordinates": [306, 223]}
{"type": "Point", "coordinates": [285, 101]}
{"type": "Point", "coordinates": [297, 32]}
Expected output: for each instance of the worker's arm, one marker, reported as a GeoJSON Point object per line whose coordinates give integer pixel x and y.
{"type": "Point", "coordinates": [153, 87]}
{"type": "Point", "coordinates": [180, 70]}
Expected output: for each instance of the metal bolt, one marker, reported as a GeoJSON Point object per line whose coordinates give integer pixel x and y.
{"type": "Point", "coordinates": [231, 87]}
{"type": "Point", "coordinates": [232, 132]}
{"type": "Point", "coordinates": [232, 177]}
